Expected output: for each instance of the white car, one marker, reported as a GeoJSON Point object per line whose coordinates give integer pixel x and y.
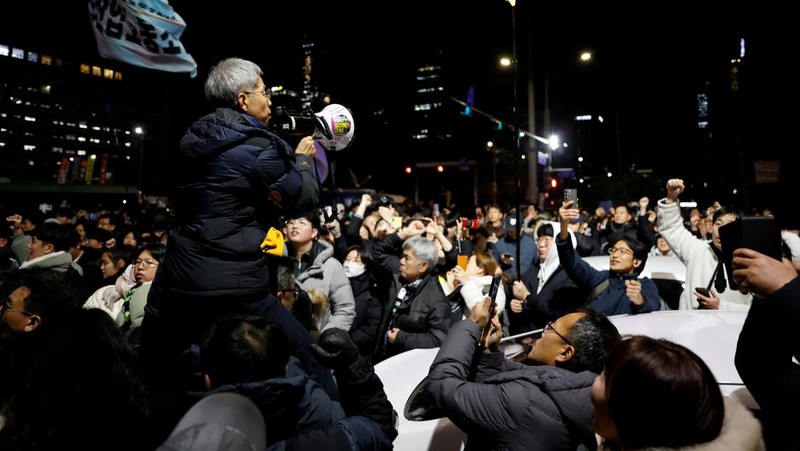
{"type": "Point", "coordinates": [712, 334]}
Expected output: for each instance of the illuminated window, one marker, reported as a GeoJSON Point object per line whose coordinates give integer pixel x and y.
{"type": "Point", "coordinates": [30, 118]}
{"type": "Point", "coordinates": [33, 57]}
{"type": "Point", "coordinates": [47, 60]}
{"type": "Point", "coordinates": [18, 53]}
{"type": "Point", "coordinates": [85, 69]}
{"type": "Point", "coordinates": [97, 71]}
{"type": "Point", "coordinates": [45, 89]}
{"type": "Point", "coordinates": [29, 147]}
{"type": "Point", "coordinates": [108, 73]}
{"type": "Point", "coordinates": [118, 76]}
{"type": "Point", "coordinates": [4, 50]}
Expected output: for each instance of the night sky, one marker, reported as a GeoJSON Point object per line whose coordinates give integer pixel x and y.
{"type": "Point", "coordinates": [649, 62]}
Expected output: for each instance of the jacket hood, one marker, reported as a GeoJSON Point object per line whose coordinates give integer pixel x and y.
{"type": "Point", "coordinates": [219, 131]}
{"type": "Point", "coordinates": [569, 391]}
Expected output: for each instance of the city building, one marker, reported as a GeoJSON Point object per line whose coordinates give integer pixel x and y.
{"type": "Point", "coordinates": [69, 126]}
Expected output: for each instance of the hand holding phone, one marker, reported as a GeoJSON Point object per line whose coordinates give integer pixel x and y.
{"type": "Point", "coordinates": [571, 194]}
{"type": "Point", "coordinates": [703, 291]}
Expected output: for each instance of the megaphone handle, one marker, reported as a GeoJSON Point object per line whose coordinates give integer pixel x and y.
{"type": "Point", "coordinates": [323, 127]}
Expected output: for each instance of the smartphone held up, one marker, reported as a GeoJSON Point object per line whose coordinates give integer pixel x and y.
{"type": "Point", "coordinates": [571, 194]}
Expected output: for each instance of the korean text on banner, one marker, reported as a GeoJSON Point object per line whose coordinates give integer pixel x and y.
{"type": "Point", "coordinates": [144, 33]}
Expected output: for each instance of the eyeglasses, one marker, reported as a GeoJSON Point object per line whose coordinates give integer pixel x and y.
{"type": "Point", "coordinates": [549, 328]}
{"type": "Point", "coordinates": [620, 250]}
{"type": "Point", "coordinates": [266, 93]}
{"type": "Point", "coordinates": [544, 239]}
{"type": "Point", "coordinates": [10, 308]}
{"type": "Point", "coordinates": [297, 223]}
{"type": "Point", "coordinates": [295, 291]}
{"type": "Point", "coordinates": [148, 263]}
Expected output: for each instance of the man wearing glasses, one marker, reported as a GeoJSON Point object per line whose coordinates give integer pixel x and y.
{"type": "Point", "coordinates": [234, 179]}
{"type": "Point", "coordinates": [544, 403]}
{"type": "Point", "coordinates": [32, 303]}
{"type": "Point", "coordinates": [618, 290]}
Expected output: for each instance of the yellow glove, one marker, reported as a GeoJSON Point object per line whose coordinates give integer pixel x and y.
{"type": "Point", "coordinates": [274, 243]}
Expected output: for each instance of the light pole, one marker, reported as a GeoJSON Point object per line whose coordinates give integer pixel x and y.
{"type": "Point", "coordinates": [140, 131]}
{"type": "Point", "coordinates": [490, 149]}
{"type": "Point", "coordinates": [587, 57]}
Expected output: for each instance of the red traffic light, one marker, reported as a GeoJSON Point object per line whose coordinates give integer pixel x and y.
{"type": "Point", "coordinates": [408, 169]}
{"type": "Point", "coordinates": [440, 168]}
{"type": "Point", "coordinates": [553, 183]}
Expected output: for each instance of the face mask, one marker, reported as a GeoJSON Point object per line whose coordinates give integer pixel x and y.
{"type": "Point", "coordinates": [353, 269]}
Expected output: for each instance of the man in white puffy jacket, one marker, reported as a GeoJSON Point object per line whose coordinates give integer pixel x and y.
{"type": "Point", "coordinates": [703, 266]}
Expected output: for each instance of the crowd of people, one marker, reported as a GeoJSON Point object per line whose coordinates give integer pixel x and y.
{"type": "Point", "coordinates": [247, 286]}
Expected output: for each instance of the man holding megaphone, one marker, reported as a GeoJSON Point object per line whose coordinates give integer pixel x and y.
{"type": "Point", "coordinates": [234, 178]}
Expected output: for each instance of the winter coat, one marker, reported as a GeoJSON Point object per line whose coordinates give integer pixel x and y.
{"type": "Point", "coordinates": [765, 353]}
{"type": "Point", "coordinates": [364, 330]}
{"type": "Point", "coordinates": [613, 300]}
{"type": "Point", "coordinates": [233, 179]}
{"type": "Point", "coordinates": [700, 260]}
{"type": "Point", "coordinates": [740, 431]}
{"type": "Point", "coordinates": [290, 405]}
{"type": "Point", "coordinates": [424, 320]}
{"type": "Point", "coordinates": [512, 406]}
{"type": "Point", "coordinates": [326, 274]}
{"type": "Point", "coordinates": [59, 261]}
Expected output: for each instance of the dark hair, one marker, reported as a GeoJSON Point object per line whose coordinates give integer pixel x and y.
{"type": "Point", "coordinates": [726, 210]}
{"type": "Point", "coordinates": [310, 215]}
{"type": "Point", "coordinates": [157, 250]}
{"type": "Point", "coordinates": [661, 394]}
{"type": "Point", "coordinates": [545, 229]}
{"type": "Point", "coordinates": [56, 234]}
{"type": "Point", "coordinates": [67, 212]}
{"type": "Point", "coordinates": [85, 375]}
{"type": "Point", "coordinates": [118, 253]}
{"type": "Point", "coordinates": [52, 294]}
{"type": "Point", "coordinates": [244, 348]}
{"type": "Point", "coordinates": [113, 218]}
{"type": "Point", "coordinates": [366, 257]}
{"type": "Point", "coordinates": [638, 248]}
{"type": "Point", "coordinates": [592, 336]}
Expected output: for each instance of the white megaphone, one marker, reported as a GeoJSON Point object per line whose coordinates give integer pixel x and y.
{"type": "Point", "coordinates": [333, 127]}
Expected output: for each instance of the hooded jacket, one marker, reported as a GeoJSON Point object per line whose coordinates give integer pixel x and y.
{"type": "Point", "coordinates": [327, 274]}
{"type": "Point", "coordinates": [233, 179]}
{"type": "Point", "coordinates": [700, 259]}
{"type": "Point", "coordinates": [290, 405]}
{"type": "Point", "coordinates": [59, 261]}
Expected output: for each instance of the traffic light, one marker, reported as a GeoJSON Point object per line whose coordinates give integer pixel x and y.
{"type": "Point", "coordinates": [440, 168]}
{"type": "Point", "coordinates": [554, 183]}
{"type": "Point", "coordinates": [470, 102]}
{"type": "Point", "coordinates": [408, 169]}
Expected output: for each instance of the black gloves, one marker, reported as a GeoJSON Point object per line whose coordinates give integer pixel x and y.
{"type": "Point", "coordinates": [335, 349]}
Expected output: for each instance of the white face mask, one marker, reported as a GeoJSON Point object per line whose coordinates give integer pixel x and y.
{"type": "Point", "coordinates": [353, 269]}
